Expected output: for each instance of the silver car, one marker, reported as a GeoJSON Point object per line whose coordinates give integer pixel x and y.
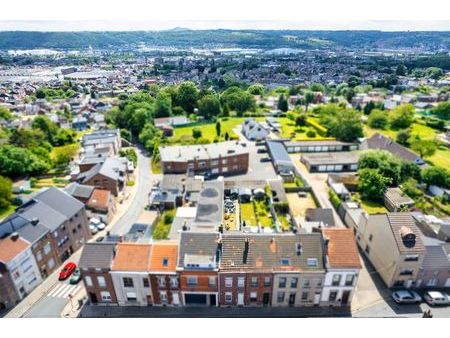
{"type": "Point", "coordinates": [406, 297]}
{"type": "Point", "coordinates": [436, 298]}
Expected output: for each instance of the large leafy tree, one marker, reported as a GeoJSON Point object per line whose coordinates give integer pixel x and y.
{"type": "Point", "coordinates": [378, 119]}
{"type": "Point", "coordinates": [16, 162]}
{"type": "Point", "coordinates": [47, 126]}
{"type": "Point", "coordinates": [402, 116]}
{"type": "Point", "coordinates": [5, 192]}
{"type": "Point", "coordinates": [163, 104]}
{"type": "Point", "coordinates": [372, 184]}
{"type": "Point", "coordinates": [209, 106]}
{"type": "Point", "coordinates": [425, 148]}
{"type": "Point", "coordinates": [436, 176]}
{"type": "Point", "coordinates": [344, 124]}
{"type": "Point", "coordinates": [187, 95]}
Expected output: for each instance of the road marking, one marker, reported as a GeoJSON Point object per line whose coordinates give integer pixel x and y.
{"type": "Point", "coordinates": [59, 290]}
{"type": "Point", "coordinates": [73, 290]}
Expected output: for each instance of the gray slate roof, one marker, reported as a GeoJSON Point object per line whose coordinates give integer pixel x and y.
{"type": "Point", "coordinates": [33, 233]}
{"type": "Point", "coordinates": [320, 215]}
{"type": "Point", "coordinates": [196, 243]}
{"type": "Point", "coordinates": [59, 200]}
{"type": "Point", "coordinates": [270, 252]}
{"type": "Point", "coordinates": [97, 255]}
{"type": "Point", "coordinates": [79, 190]}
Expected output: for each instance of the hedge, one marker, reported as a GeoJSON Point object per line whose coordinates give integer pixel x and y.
{"type": "Point", "coordinates": [321, 130]}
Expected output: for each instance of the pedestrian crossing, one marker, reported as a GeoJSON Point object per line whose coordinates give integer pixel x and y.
{"type": "Point", "coordinates": [64, 290]}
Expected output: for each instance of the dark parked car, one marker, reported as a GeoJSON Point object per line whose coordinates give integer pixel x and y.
{"type": "Point", "coordinates": [261, 150]}
{"type": "Point", "coordinates": [265, 159]}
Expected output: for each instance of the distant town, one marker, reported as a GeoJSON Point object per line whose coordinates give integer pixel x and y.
{"type": "Point", "coordinates": [305, 177]}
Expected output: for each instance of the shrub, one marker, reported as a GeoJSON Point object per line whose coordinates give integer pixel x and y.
{"type": "Point", "coordinates": [168, 219]}
{"type": "Point", "coordinates": [311, 133]}
{"type": "Point", "coordinates": [321, 130]}
{"type": "Point", "coordinates": [334, 199]}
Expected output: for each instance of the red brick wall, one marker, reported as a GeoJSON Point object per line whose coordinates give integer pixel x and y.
{"type": "Point", "coordinates": [260, 289]}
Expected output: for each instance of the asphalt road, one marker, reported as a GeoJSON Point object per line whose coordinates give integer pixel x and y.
{"type": "Point", "coordinates": [144, 184]}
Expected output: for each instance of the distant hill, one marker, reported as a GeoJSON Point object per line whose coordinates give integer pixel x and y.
{"type": "Point", "coordinates": [182, 37]}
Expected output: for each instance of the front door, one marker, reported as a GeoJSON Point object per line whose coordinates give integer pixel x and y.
{"type": "Point", "coordinates": [345, 297]}
{"type": "Point", "coordinates": [240, 299]}
{"type": "Point", "coordinates": [175, 299]}
{"type": "Point", "coordinates": [93, 297]}
{"type": "Point", "coordinates": [317, 299]}
{"type": "Point", "coordinates": [212, 300]}
{"type": "Point", "coordinates": [266, 298]}
{"type": "Point", "coordinates": [292, 299]}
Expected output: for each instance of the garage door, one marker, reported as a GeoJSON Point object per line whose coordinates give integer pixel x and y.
{"type": "Point", "coordinates": [195, 299]}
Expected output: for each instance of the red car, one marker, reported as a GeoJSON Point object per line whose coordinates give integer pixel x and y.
{"type": "Point", "coordinates": [68, 269]}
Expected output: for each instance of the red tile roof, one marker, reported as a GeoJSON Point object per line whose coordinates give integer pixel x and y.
{"type": "Point", "coordinates": [10, 248]}
{"type": "Point", "coordinates": [342, 249]}
{"type": "Point", "coordinates": [164, 256]}
{"type": "Point", "coordinates": [132, 257]}
{"type": "Point", "coordinates": [99, 199]}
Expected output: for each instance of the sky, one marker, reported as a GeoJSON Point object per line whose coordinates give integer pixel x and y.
{"type": "Point", "coordinates": [387, 15]}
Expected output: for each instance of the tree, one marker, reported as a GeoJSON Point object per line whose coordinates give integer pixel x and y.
{"type": "Point", "coordinates": [344, 124]}
{"type": "Point", "coordinates": [442, 110]}
{"type": "Point", "coordinates": [309, 98]}
{"type": "Point", "coordinates": [256, 89]}
{"type": "Point", "coordinates": [29, 138]}
{"type": "Point", "coordinates": [386, 164]}
{"type": "Point", "coordinates": [5, 192]}
{"type": "Point", "coordinates": [150, 136]}
{"type": "Point", "coordinates": [196, 133]}
{"type": "Point", "coordinates": [163, 104]}
{"type": "Point", "coordinates": [218, 128]}
{"type": "Point", "coordinates": [5, 114]}
{"type": "Point", "coordinates": [403, 136]}
{"type": "Point", "coordinates": [63, 155]}
{"type": "Point", "coordinates": [402, 116]}
{"type": "Point", "coordinates": [282, 103]}
{"type": "Point", "coordinates": [378, 119]}
{"type": "Point", "coordinates": [40, 94]}
{"type": "Point", "coordinates": [401, 70]}
{"type": "Point", "coordinates": [372, 184]}
{"type": "Point", "coordinates": [436, 176]}
{"type": "Point", "coordinates": [369, 107]}
{"type": "Point", "coordinates": [209, 106]}
{"type": "Point", "coordinates": [16, 162]}
{"type": "Point", "coordinates": [227, 136]}
{"type": "Point", "coordinates": [434, 73]}
{"type": "Point", "coordinates": [300, 120]}
{"type": "Point", "coordinates": [48, 127]}
{"type": "Point", "coordinates": [234, 98]}
{"type": "Point", "coordinates": [187, 95]}
{"type": "Point", "coordinates": [425, 148]}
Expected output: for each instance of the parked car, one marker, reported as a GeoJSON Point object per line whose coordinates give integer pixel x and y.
{"type": "Point", "coordinates": [76, 277]}
{"type": "Point", "coordinates": [436, 298]}
{"type": "Point", "coordinates": [93, 229]}
{"type": "Point", "coordinates": [406, 297]}
{"type": "Point", "coordinates": [94, 221]}
{"type": "Point", "coordinates": [261, 150]}
{"type": "Point", "coordinates": [265, 159]}
{"type": "Point", "coordinates": [67, 270]}
{"type": "Point", "coordinates": [101, 226]}
{"type": "Point", "coordinates": [99, 239]}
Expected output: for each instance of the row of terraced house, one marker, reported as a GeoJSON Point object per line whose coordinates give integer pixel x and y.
{"type": "Point", "coordinates": [225, 269]}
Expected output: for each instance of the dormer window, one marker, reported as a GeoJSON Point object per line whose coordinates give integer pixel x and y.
{"type": "Point", "coordinates": [285, 261]}
{"type": "Point", "coordinates": [165, 261]}
{"type": "Point", "coordinates": [311, 261]}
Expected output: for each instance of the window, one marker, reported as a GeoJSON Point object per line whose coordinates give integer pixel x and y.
{"type": "Point", "coordinates": [367, 250]}
{"type": "Point", "coordinates": [224, 161]}
{"type": "Point", "coordinates": [163, 296]}
{"type": "Point", "coordinates": [162, 281]}
{"type": "Point", "coordinates": [39, 255]}
{"type": "Point", "coordinates": [146, 282]}
{"type": "Point", "coordinates": [128, 282]}
{"type": "Point", "coordinates": [212, 281]}
{"type": "Point", "coordinates": [165, 261]}
{"type": "Point", "coordinates": [192, 280]}
{"type": "Point", "coordinates": [47, 248]}
{"type": "Point", "coordinates": [305, 296]}
{"type": "Point", "coordinates": [215, 163]}
{"type": "Point", "coordinates": [319, 282]}
{"type": "Point", "coordinates": [280, 297]}
{"type": "Point", "coordinates": [411, 258]}
{"type": "Point", "coordinates": [55, 233]}
{"type": "Point", "coordinates": [311, 261]}
{"type": "Point", "coordinates": [406, 272]}
{"type": "Point", "coordinates": [229, 282]}
{"type": "Point", "coordinates": [349, 280]}
{"type": "Point", "coordinates": [106, 296]}
{"type": "Point", "coordinates": [336, 280]}
{"type": "Point", "coordinates": [74, 231]}
{"type": "Point", "coordinates": [370, 237]}
{"type": "Point", "coordinates": [241, 282]}
{"type": "Point", "coordinates": [254, 282]}
{"type": "Point", "coordinates": [267, 281]}
{"type": "Point", "coordinates": [131, 296]}
{"type": "Point", "coordinates": [174, 282]}
{"type": "Point", "coordinates": [101, 281]}
{"type": "Point", "coordinates": [306, 283]}
{"type": "Point", "coordinates": [88, 280]}
{"type": "Point", "coordinates": [228, 297]}
{"type": "Point", "coordinates": [285, 261]}
{"type": "Point", "coordinates": [333, 296]}
{"type": "Point", "coordinates": [253, 296]}
{"type": "Point", "coordinates": [282, 282]}
{"type": "Point", "coordinates": [51, 263]}
{"type": "Point", "coordinates": [79, 226]}
{"type": "Point", "coordinates": [292, 298]}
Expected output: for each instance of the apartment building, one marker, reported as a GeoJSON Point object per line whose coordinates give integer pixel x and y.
{"type": "Point", "coordinates": [216, 159]}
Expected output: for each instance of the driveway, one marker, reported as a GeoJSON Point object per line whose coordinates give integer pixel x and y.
{"type": "Point", "coordinates": [319, 186]}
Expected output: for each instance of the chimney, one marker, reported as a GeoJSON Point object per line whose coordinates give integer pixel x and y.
{"type": "Point", "coordinates": [298, 249]}
{"type": "Point", "coordinates": [14, 236]}
{"type": "Point", "coordinates": [35, 221]}
{"type": "Point", "coordinates": [246, 247]}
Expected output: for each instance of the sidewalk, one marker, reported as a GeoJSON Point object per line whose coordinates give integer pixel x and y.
{"type": "Point", "coordinates": [96, 311]}
{"type": "Point", "coordinates": [72, 310]}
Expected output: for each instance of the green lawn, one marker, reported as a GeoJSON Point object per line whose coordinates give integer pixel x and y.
{"type": "Point", "coordinates": [289, 129]}
{"type": "Point", "coordinates": [209, 129]}
{"type": "Point", "coordinates": [441, 158]}
{"type": "Point", "coordinates": [162, 229]}
{"type": "Point", "coordinates": [5, 212]}
{"type": "Point", "coordinates": [369, 206]}
{"type": "Point", "coordinates": [263, 214]}
{"type": "Point", "coordinates": [248, 214]}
